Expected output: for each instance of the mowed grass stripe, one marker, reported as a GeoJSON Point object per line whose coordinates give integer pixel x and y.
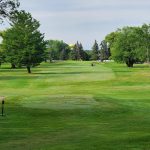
{"type": "Point", "coordinates": [73, 106]}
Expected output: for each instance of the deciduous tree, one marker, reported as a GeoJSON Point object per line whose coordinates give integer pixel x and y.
{"type": "Point", "coordinates": [128, 45]}
{"type": "Point", "coordinates": [23, 43]}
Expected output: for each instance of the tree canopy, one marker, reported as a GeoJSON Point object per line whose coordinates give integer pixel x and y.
{"type": "Point", "coordinates": [130, 44]}
{"type": "Point", "coordinates": [7, 8]}
{"type": "Point", "coordinates": [23, 43]}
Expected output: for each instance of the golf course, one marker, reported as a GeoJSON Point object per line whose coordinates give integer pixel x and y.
{"type": "Point", "coordinates": [71, 105]}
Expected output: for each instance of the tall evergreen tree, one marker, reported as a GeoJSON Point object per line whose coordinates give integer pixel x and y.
{"type": "Point", "coordinates": [104, 51]}
{"type": "Point", "coordinates": [81, 52]}
{"type": "Point", "coordinates": [73, 54]}
{"type": "Point", "coordinates": [78, 51]}
{"type": "Point", "coordinates": [95, 51]}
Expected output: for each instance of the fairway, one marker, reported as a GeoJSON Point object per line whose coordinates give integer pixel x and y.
{"type": "Point", "coordinates": [71, 105]}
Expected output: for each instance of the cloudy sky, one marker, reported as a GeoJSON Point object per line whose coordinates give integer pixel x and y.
{"type": "Point", "coordinates": [86, 20]}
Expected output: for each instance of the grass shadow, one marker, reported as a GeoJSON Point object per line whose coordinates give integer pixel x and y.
{"type": "Point", "coordinates": [17, 77]}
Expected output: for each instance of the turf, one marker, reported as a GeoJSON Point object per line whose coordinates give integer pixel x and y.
{"type": "Point", "coordinates": [74, 106]}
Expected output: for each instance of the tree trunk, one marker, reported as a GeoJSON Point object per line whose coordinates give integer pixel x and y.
{"type": "Point", "coordinates": [28, 69]}
{"type": "Point", "coordinates": [20, 66]}
{"type": "Point", "coordinates": [13, 66]}
{"type": "Point", "coordinates": [45, 60]}
{"type": "Point", "coordinates": [129, 63]}
{"type": "Point", "coordinates": [50, 60]}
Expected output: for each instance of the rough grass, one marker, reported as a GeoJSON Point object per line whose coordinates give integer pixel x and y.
{"type": "Point", "coordinates": [73, 106]}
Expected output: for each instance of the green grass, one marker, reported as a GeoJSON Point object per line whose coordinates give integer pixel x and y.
{"type": "Point", "coordinates": [73, 106]}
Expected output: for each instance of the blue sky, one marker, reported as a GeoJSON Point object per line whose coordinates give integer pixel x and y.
{"type": "Point", "coordinates": [86, 20]}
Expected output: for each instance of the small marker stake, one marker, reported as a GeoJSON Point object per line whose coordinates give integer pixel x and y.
{"type": "Point", "coordinates": [3, 102]}
{"type": "Point", "coordinates": [3, 107]}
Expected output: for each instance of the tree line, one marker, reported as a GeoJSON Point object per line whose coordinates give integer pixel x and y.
{"type": "Point", "coordinates": [24, 46]}
{"type": "Point", "coordinates": [59, 50]}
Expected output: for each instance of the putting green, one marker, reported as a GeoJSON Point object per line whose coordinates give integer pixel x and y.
{"type": "Point", "coordinates": [59, 102]}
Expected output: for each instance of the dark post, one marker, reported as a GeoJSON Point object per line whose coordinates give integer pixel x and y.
{"type": "Point", "coordinates": [3, 107]}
